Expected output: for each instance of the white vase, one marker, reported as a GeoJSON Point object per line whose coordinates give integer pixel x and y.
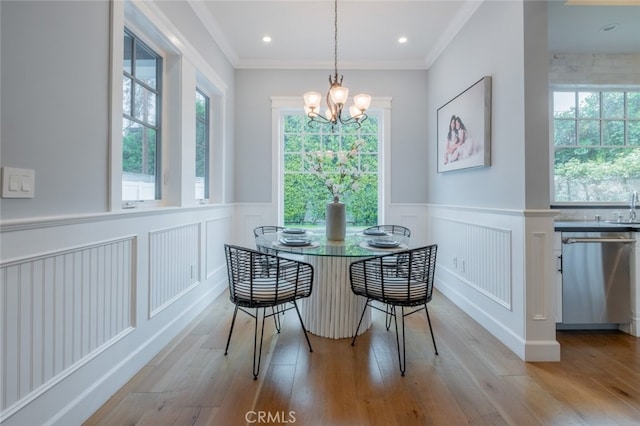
{"type": "Point", "coordinates": [336, 221]}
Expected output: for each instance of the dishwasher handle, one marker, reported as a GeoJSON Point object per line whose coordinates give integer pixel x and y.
{"type": "Point", "coordinates": [575, 240]}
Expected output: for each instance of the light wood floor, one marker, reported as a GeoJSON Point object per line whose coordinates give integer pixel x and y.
{"type": "Point", "coordinates": [474, 380]}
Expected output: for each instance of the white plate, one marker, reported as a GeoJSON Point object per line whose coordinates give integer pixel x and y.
{"type": "Point", "coordinates": [295, 241]}
{"type": "Point", "coordinates": [383, 243]}
{"type": "Point", "coordinates": [376, 232]}
{"type": "Point", "coordinates": [294, 231]}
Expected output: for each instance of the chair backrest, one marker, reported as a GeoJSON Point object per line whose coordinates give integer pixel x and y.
{"type": "Point", "coordinates": [393, 229]}
{"type": "Point", "coordinates": [258, 279]}
{"type": "Point", "coordinates": [266, 229]}
{"type": "Point", "coordinates": [410, 285]}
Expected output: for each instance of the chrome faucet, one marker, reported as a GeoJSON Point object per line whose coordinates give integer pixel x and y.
{"type": "Point", "coordinates": [632, 206]}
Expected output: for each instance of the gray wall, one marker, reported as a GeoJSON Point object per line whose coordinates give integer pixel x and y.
{"type": "Point", "coordinates": [518, 176]}
{"type": "Point", "coordinates": [54, 104]}
{"type": "Point", "coordinates": [409, 153]}
{"type": "Point", "coordinates": [55, 100]}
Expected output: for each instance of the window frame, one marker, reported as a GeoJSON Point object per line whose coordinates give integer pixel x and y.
{"type": "Point", "coordinates": [380, 106]}
{"type": "Point", "coordinates": [158, 92]}
{"type": "Point", "coordinates": [184, 68]}
{"type": "Point", "coordinates": [206, 122]}
{"type": "Point", "coordinates": [601, 119]}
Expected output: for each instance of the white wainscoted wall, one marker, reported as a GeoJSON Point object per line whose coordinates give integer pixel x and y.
{"type": "Point", "coordinates": [497, 265]}
{"type": "Point", "coordinates": [87, 301]}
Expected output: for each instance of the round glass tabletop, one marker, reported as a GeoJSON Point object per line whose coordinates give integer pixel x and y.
{"type": "Point", "coordinates": [315, 243]}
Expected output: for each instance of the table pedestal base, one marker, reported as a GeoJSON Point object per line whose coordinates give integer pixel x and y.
{"type": "Point", "coordinates": [333, 310]}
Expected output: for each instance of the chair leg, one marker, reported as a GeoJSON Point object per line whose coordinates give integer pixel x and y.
{"type": "Point", "coordinates": [431, 329]}
{"type": "Point", "coordinates": [387, 316]}
{"type": "Point", "coordinates": [257, 353]}
{"type": "Point", "coordinates": [402, 358]}
{"type": "Point", "coordinates": [233, 321]}
{"type": "Point", "coordinates": [276, 317]}
{"type": "Point", "coordinates": [306, 336]}
{"type": "Point", "coordinates": [353, 342]}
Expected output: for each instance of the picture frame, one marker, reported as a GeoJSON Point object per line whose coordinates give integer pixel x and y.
{"type": "Point", "coordinates": [464, 129]}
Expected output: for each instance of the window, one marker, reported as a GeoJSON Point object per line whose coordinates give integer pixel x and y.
{"type": "Point", "coordinates": [202, 145]}
{"type": "Point", "coordinates": [154, 121]}
{"type": "Point", "coordinates": [305, 196]}
{"type": "Point", "coordinates": [596, 136]}
{"type": "Point", "coordinates": [140, 121]}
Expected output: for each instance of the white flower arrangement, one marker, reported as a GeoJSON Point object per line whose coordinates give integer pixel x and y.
{"type": "Point", "coordinates": [338, 171]}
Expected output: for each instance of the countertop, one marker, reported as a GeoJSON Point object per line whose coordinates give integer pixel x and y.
{"type": "Point", "coordinates": [594, 226]}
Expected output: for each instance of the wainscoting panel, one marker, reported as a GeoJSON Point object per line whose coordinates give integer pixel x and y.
{"type": "Point", "coordinates": [479, 255]}
{"type": "Point", "coordinates": [60, 309]}
{"type": "Point", "coordinates": [540, 310]}
{"type": "Point", "coordinates": [174, 264]}
{"type": "Point", "coordinates": [217, 232]}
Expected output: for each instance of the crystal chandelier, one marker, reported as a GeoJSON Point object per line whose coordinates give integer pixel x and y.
{"type": "Point", "coordinates": [336, 97]}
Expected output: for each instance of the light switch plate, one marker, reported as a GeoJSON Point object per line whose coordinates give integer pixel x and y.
{"type": "Point", "coordinates": [18, 183]}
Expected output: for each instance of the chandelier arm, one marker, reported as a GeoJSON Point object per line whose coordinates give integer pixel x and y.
{"type": "Point", "coordinates": [331, 106]}
{"type": "Point", "coordinates": [354, 120]}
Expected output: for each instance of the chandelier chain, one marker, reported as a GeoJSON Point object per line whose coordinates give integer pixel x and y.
{"type": "Point", "coordinates": [336, 96]}
{"type": "Point", "coordinates": [335, 37]}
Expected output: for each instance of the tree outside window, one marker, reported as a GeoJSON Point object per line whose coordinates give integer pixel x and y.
{"type": "Point", "coordinates": [305, 195]}
{"type": "Point", "coordinates": [596, 145]}
{"type": "Point", "coordinates": [202, 146]}
{"type": "Point", "coordinates": [140, 121]}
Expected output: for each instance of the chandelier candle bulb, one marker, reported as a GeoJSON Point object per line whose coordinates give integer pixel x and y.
{"type": "Point", "coordinates": [312, 100]}
{"type": "Point", "coordinates": [362, 101]}
{"type": "Point", "coordinates": [339, 95]}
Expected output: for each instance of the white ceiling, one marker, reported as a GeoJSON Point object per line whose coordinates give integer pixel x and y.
{"type": "Point", "coordinates": [302, 31]}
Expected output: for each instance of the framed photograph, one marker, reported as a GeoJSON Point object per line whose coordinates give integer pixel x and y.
{"type": "Point", "coordinates": [464, 129]}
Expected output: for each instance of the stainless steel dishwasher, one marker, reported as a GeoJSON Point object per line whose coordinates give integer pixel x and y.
{"type": "Point", "coordinates": [596, 277]}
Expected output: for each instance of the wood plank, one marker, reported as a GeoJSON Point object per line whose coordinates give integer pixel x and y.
{"type": "Point", "coordinates": [474, 380]}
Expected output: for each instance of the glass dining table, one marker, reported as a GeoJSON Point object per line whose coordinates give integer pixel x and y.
{"type": "Point", "coordinates": [332, 310]}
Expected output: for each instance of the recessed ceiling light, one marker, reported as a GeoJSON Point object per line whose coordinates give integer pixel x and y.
{"type": "Point", "coordinates": [402, 40]}
{"type": "Point", "coordinates": [609, 27]}
{"type": "Point", "coordinates": [266, 39]}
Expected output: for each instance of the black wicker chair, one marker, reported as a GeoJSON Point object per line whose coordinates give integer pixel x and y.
{"type": "Point", "coordinates": [411, 287]}
{"type": "Point", "coordinates": [250, 288]}
{"type": "Point", "coordinates": [266, 229]}
{"type": "Point", "coordinates": [392, 264]}
{"type": "Point", "coordinates": [258, 232]}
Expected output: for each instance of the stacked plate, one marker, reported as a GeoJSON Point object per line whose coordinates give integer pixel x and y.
{"type": "Point", "coordinates": [295, 241]}
{"type": "Point", "coordinates": [294, 231]}
{"type": "Point", "coordinates": [374, 232]}
{"type": "Point", "coordinates": [383, 243]}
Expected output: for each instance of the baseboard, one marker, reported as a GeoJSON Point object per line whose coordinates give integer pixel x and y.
{"type": "Point", "coordinates": [542, 351]}
{"type": "Point", "coordinates": [533, 351]}
{"type": "Point", "coordinates": [91, 399]}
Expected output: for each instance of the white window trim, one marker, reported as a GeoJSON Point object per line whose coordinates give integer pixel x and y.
{"type": "Point", "coordinates": [380, 106]}
{"type": "Point", "coordinates": [577, 88]}
{"type": "Point", "coordinates": [216, 138]}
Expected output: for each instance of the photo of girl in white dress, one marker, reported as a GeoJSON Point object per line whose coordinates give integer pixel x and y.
{"type": "Point", "coordinates": [459, 145]}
